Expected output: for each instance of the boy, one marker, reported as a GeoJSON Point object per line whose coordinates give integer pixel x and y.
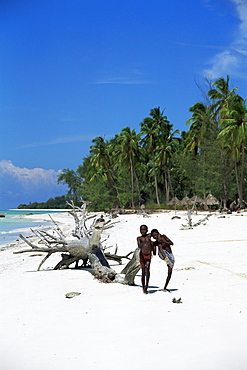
{"type": "Point", "coordinates": [165, 253]}
{"type": "Point", "coordinates": [146, 246]}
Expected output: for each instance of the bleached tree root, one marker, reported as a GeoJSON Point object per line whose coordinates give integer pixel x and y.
{"type": "Point", "coordinates": [132, 268]}
{"type": "Point", "coordinates": [87, 247]}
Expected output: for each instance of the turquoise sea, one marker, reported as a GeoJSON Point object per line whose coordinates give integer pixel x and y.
{"type": "Point", "coordinates": [14, 224]}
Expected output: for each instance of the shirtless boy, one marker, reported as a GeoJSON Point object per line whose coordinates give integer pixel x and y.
{"type": "Point", "coordinates": [165, 253]}
{"type": "Point", "coordinates": [147, 247]}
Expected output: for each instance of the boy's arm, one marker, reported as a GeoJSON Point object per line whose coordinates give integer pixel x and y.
{"type": "Point", "coordinates": [161, 251]}
{"type": "Point", "coordinates": [153, 247]}
{"type": "Point", "coordinates": [138, 242]}
{"type": "Point", "coordinates": [166, 240]}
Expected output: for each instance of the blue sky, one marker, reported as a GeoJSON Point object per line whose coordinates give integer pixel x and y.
{"type": "Point", "coordinates": [71, 70]}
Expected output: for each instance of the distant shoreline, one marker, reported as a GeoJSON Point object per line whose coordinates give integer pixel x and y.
{"type": "Point", "coordinates": [39, 210]}
{"type": "Point", "coordinates": [18, 221]}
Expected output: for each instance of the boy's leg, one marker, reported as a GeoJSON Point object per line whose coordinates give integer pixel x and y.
{"type": "Point", "coordinates": [143, 277]}
{"type": "Point", "coordinates": [147, 274]}
{"type": "Point", "coordinates": [168, 279]}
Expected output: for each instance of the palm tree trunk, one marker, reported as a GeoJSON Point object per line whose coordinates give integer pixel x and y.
{"type": "Point", "coordinates": [138, 186]}
{"type": "Point", "coordinates": [239, 173]}
{"type": "Point", "coordinates": [156, 183]}
{"type": "Point", "coordinates": [242, 176]}
{"type": "Point", "coordinates": [170, 182]}
{"type": "Point", "coordinates": [225, 194]}
{"type": "Point", "coordinates": [224, 179]}
{"type": "Point", "coordinates": [114, 184]}
{"type": "Point", "coordinates": [236, 176]}
{"type": "Point", "coordinates": [167, 186]}
{"type": "Point", "coordinates": [236, 167]}
{"type": "Point", "coordinates": [156, 188]}
{"type": "Point", "coordinates": [132, 182]}
{"type": "Point", "coordinates": [167, 189]}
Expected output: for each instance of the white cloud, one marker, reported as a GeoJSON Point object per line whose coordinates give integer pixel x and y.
{"type": "Point", "coordinates": [28, 176]}
{"type": "Point", "coordinates": [59, 140]}
{"type": "Point", "coordinates": [241, 9]}
{"type": "Point", "coordinates": [234, 57]}
{"type": "Point", "coordinates": [24, 185]}
{"type": "Point", "coordinates": [121, 81]}
{"type": "Point", "coordinates": [225, 63]}
{"type": "Point", "coordinates": [134, 76]}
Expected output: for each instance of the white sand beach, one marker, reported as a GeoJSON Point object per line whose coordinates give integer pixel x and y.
{"type": "Point", "coordinates": [117, 327]}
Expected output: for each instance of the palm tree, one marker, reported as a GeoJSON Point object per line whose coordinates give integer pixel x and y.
{"type": "Point", "coordinates": [127, 151]}
{"type": "Point", "coordinates": [220, 94]}
{"type": "Point", "coordinates": [164, 154]}
{"type": "Point", "coordinates": [100, 160]}
{"type": "Point", "coordinates": [154, 128]}
{"type": "Point", "coordinates": [99, 154]}
{"type": "Point", "coordinates": [72, 179]}
{"type": "Point", "coordinates": [201, 127]}
{"type": "Point", "coordinates": [234, 135]}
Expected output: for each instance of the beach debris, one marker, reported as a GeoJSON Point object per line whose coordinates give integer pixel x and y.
{"type": "Point", "coordinates": [132, 268]}
{"type": "Point", "coordinates": [179, 300]}
{"type": "Point", "coordinates": [86, 246]}
{"type": "Point", "coordinates": [185, 268]}
{"type": "Point", "coordinates": [114, 256]}
{"type": "Point", "coordinates": [72, 294]}
{"type": "Point", "coordinates": [203, 220]}
{"type": "Point", "coordinates": [190, 224]}
{"type": "Point", "coordinates": [189, 213]}
{"type": "Point", "coordinates": [143, 212]}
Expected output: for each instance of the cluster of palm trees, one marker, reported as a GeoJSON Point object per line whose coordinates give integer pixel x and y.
{"type": "Point", "coordinates": [224, 120]}
{"type": "Point", "coordinates": [159, 163]}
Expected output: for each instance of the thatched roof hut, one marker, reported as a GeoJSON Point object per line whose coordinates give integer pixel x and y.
{"type": "Point", "coordinates": [211, 200]}
{"type": "Point", "coordinates": [197, 199]}
{"type": "Point", "coordinates": [186, 201]}
{"type": "Point", "coordinates": [174, 202]}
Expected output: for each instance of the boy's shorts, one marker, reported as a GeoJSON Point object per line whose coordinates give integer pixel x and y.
{"type": "Point", "coordinates": [170, 258]}
{"type": "Point", "coordinates": [144, 258]}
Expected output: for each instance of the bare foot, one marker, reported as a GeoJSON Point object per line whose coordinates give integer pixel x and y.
{"type": "Point", "coordinates": [166, 290]}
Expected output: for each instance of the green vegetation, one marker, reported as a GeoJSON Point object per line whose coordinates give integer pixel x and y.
{"type": "Point", "coordinates": [158, 163]}
{"type": "Point", "coordinates": [52, 203]}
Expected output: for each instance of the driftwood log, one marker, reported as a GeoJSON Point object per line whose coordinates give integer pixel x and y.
{"type": "Point", "coordinates": [132, 268]}
{"type": "Point", "coordinates": [86, 247]}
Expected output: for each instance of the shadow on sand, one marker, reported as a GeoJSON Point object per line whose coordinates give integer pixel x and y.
{"type": "Point", "coordinates": [151, 291]}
